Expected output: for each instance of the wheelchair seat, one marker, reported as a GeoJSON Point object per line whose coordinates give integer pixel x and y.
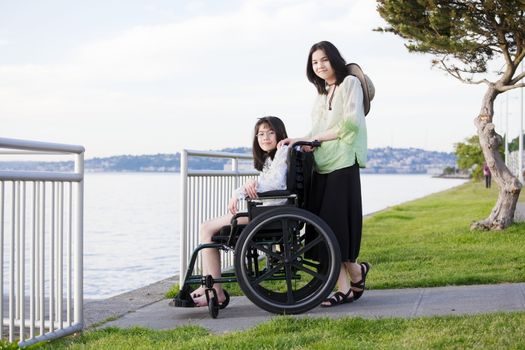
{"type": "Point", "coordinates": [225, 232]}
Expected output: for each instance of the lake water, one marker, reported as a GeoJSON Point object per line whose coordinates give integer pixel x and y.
{"type": "Point", "coordinates": [131, 230]}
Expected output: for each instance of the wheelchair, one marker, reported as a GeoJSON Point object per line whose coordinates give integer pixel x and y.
{"type": "Point", "coordinates": [286, 259]}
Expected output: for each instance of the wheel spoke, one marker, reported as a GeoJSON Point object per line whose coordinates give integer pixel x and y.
{"type": "Point", "coordinates": [290, 298]}
{"type": "Point", "coordinates": [268, 273]}
{"type": "Point", "coordinates": [286, 234]}
{"type": "Point", "coordinates": [307, 247]}
{"type": "Point", "coordinates": [311, 263]}
{"type": "Point", "coordinates": [267, 251]}
{"type": "Point", "coordinates": [310, 272]}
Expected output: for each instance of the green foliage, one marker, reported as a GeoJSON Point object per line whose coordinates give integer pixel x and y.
{"type": "Point", "coordinates": [470, 156]}
{"type": "Point", "coordinates": [5, 345]}
{"type": "Point", "coordinates": [173, 291]}
{"type": "Point", "coordinates": [514, 144]}
{"type": "Point", "coordinates": [449, 170]}
{"type": "Point", "coordinates": [472, 32]}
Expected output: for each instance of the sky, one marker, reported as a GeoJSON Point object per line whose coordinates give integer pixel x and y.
{"type": "Point", "coordinates": [148, 77]}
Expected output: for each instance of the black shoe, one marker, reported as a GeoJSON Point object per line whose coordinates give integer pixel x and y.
{"type": "Point", "coordinates": [339, 298]}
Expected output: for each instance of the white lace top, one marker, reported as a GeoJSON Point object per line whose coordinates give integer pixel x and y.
{"type": "Point", "coordinates": [273, 175]}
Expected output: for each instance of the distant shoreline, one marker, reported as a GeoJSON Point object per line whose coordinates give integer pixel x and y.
{"type": "Point", "coordinates": [380, 161]}
{"type": "Point", "coordinates": [455, 176]}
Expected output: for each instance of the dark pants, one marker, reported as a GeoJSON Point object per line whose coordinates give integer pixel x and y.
{"type": "Point", "coordinates": [336, 198]}
{"type": "Point", "coordinates": [487, 181]}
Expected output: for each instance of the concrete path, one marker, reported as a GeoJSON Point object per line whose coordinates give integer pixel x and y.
{"type": "Point", "coordinates": [241, 314]}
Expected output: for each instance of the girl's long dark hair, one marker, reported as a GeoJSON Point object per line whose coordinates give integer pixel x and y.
{"type": "Point", "coordinates": [260, 156]}
{"type": "Point", "coordinates": [337, 62]}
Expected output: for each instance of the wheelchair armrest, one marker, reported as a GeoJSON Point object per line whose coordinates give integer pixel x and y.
{"type": "Point", "coordinates": [275, 193]}
{"type": "Point", "coordinates": [233, 226]}
{"type": "Point", "coordinates": [238, 215]}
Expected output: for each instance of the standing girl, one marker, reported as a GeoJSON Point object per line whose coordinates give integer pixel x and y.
{"type": "Point", "coordinates": [338, 121]}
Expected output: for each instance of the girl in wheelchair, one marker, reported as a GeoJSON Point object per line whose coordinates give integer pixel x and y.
{"type": "Point", "coordinates": [271, 162]}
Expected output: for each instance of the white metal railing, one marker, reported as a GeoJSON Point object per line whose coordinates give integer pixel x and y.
{"type": "Point", "coordinates": [205, 195]}
{"type": "Point", "coordinates": [41, 245]}
{"type": "Point", "coordinates": [513, 163]}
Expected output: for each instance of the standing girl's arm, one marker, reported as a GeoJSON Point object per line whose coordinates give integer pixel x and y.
{"type": "Point", "coordinates": [353, 110]}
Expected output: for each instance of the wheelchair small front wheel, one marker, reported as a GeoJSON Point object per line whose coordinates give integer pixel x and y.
{"type": "Point", "coordinates": [287, 260]}
{"type": "Point", "coordinates": [213, 303]}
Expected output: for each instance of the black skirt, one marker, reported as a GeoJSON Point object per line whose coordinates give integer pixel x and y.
{"type": "Point", "coordinates": [336, 198]}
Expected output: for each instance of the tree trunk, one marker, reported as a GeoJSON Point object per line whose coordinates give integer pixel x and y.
{"type": "Point", "coordinates": [502, 214]}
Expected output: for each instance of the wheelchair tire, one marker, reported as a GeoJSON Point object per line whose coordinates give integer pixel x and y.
{"type": "Point", "coordinates": [292, 282]}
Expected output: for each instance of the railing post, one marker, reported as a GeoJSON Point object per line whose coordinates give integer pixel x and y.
{"type": "Point", "coordinates": [235, 167]}
{"type": "Point", "coordinates": [183, 256]}
{"type": "Point", "coordinates": [79, 248]}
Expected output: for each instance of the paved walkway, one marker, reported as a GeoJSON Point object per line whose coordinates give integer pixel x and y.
{"type": "Point", "coordinates": [147, 307]}
{"type": "Point", "coordinates": [241, 314]}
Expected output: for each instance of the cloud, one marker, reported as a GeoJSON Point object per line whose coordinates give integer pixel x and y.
{"type": "Point", "coordinates": [200, 81]}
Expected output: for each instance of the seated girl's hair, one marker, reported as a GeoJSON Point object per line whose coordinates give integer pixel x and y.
{"type": "Point", "coordinates": [275, 124]}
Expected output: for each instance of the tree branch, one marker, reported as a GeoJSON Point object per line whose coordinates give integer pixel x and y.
{"type": "Point", "coordinates": [519, 57]}
{"type": "Point", "coordinates": [455, 73]}
{"type": "Point", "coordinates": [502, 41]}
{"type": "Point", "coordinates": [510, 87]}
{"type": "Point", "coordinates": [518, 78]}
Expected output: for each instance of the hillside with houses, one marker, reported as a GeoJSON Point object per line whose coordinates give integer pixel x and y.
{"type": "Point", "coordinates": [380, 161]}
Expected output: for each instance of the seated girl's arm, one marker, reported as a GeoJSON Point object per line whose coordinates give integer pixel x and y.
{"type": "Point", "coordinates": [275, 177]}
{"type": "Point", "coordinates": [246, 190]}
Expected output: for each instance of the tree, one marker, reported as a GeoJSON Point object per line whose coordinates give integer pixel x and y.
{"type": "Point", "coordinates": [449, 170]}
{"type": "Point", "coordinates": [465, 35]}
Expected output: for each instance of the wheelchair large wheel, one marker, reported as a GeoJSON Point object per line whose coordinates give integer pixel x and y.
{"type": "Point", "coordinates": [302, 261]}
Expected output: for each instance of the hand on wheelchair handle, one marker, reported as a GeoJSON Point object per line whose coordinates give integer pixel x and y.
{"type": "Point", "coordinates": [283, 142]}
{"type": "Point", "coordinates": [306, 146]}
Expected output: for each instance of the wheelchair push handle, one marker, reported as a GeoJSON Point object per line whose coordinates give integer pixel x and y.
{"type": "Point", "coordinates": [314, 143]}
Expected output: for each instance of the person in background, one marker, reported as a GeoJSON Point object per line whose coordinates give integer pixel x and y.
{"type": "Point", "coordinates": [271, 161]}
{"type": "Point", "coordinates": [338, 122]}
{"type": "Point", "coordinates": [488, 175]}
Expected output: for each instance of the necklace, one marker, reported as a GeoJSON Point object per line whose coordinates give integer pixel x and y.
{"type": "Point", "coordinates": [329, 85]}
{"type": "Point", "coordinates": [331, 97]}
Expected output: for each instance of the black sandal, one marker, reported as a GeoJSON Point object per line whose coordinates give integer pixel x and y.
{"type": "Point", "coordinates": [361, 284]}
{"type": "Point", "coordinates": [226, 300]}
{"type": "Point", "coordinates": [339, 298]}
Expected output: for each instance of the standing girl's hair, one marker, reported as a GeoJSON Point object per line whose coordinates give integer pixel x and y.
{"type": "Point", "coordinates": [275, 124]}
{"type": "Point", "coordinates": [337, 62]}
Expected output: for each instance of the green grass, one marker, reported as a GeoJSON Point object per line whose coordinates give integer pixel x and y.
{"type": "Point", "coordinates": [492, 331]}
{"type": "Point", "coordinates": [427, 243]}
{"type": "Point", "coordinates": [422, 243]}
